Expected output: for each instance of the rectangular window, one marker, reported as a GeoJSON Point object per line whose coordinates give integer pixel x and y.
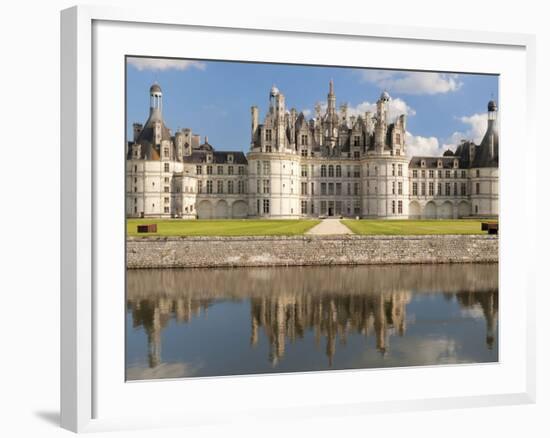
{"type": "Point", "coordinates": [431, 189]}
{"type": "Point", "coordinates": [241, 170]}
{"type": "Point", "coordinates": [423, 174]}
{"type": "Point", "coordinates": [399, 170]}
{"type": "Point", "coordinates": [167, 209]}
{"type": "Point", "coordinates": [312, 188]}
{"type": "Point", "coordinates": [304, 170]}
{"type": "Point", "coordinates": [415, 173]}
{"type": "Point", "coordinates": [303, 140]}
{"type": "Point", "coordinates": [167, 167]}
{"type": "Point", "coordinates": [393, 187]}
{"type": "Point", "coordinates": [463, 189]}
{"type": "Point", "coordinates": [304, 207]}
{"type": "Point", "coordinates": [209, 187]}
{"type": "Point", "coordinates": [323, 188]}
{"type": "Point", "coordinates": [423, 188]}
{"type": "Point", "coordinates": [268, 148]}
{"type": "Point", "coordinates": [393, 207]}
{"type": "Point", "coordinates": [447, 174]}
{"type": "Point", "coordinates": [477, 189]}
{"type": "Point", "coordinates": [230, 187]}
{"type": "Point", "coordinates": [357, 140]}
{"type": "Point", "coordinates": [439, 173]}
{"type": "Point", "coordinates": [304, 188]}
{"type": "Point", "coordinates": [166, 180]}
{"type": "Point", "coordinates": [240, 187]}
{"type": "Point", "coordinates": [349, 189]}
{"type": "Point", "coordinates": [439, 189]}
{"type": "Point", "coordinates": [463, 174]}
{"type": "Point", "coordinates": [209, 170]}
{"type": "Point", "coordinates": [166, 189]}
{"type": "Point", "coordinates": [167, 200]}
{"type": "Point", "coordinates": [356, 154]}
{"type": "Point", "coordinates": [199, 186]}
{"type": "Point", "coordinates": [266, 186]}
{"type": "Point", "coordinates": [447, 189]}
{"type": "Point", "coordinates": [338, 171]}
{"type": "Point", "coordinates": [304, 152]}
{"type": "Point", "coordinates": [431, 173]}
{"type": "Point", "coordinates": [415, 189]}
{"type": "Point", "coordinates": [355, 188]}
{"type": "Point", "coordinates": [348, 171]}
{"type": "Point", "coordinates": [455, 189]}
{"type": "Point", "coordinates": [400, 207]}
{"type": "Point", "coordinates": [266, 206]}
{"type": "Point", "coordinates": [399, 188]}
{"type": "Point", "coordinates": [331, 188]}
{"type": "Point", "coordinates": [338, 189]}
{"type": "Point", "coordinates": [267, 167]}
{"type": "Point", "coordinates": [356, 171]}
{"type": "Point", "coordinates": [268, 134]}
{"type": "Point", "coordinates": [331, 171]}
{"type": "Point", "coordinates": [230, 170]}
{"type": "Point", "coordinates": [393, 169]}
{"type": "Point", "coordinates": [220, 170]}
{"type": "Point", "coordinates": [220, 186]}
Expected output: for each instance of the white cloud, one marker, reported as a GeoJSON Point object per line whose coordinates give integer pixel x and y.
{"type": "Point", "coordinates": [161, 64]}
{"type": "Point", "coordinates": [423, 146]}
{"type": "Point", "coordinates": [413, 82]}
{"type": "Point", "coordinates": [476, 127]}
{"type": "Point", "coordinates": [306, 113]}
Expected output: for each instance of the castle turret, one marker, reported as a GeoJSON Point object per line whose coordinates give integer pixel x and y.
{"type": "Point", "coordinates": [381, 120]}
{"type": "Point", "coordinates": [155, 106]}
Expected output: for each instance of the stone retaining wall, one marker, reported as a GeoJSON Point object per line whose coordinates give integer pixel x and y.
{"type": "Point", "coordinates": [196, 252]}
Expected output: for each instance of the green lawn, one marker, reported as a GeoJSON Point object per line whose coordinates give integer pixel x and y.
{"type": "Point", "coordinates": [227, 227]}
{"type": "Point", "coordinates": [414, 227]}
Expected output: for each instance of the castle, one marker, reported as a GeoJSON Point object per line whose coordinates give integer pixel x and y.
{"type": "Point", "coordinates": [334, 164]}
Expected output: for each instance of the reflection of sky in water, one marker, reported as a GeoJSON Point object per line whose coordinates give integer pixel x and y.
{"type": "Point", "coordinates": [182, 333]}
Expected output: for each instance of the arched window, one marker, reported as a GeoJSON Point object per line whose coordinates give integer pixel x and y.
{"type": "Point", "coordinates": [323, 171]}
{"type": "Point", "coordinates": [338, 171]}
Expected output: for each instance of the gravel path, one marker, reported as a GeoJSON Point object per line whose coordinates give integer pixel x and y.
{"type": "Point", "coordinates": [330, 226]}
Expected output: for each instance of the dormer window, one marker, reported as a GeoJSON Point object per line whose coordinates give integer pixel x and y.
{"type": "Point", "coordinates": [455, 164]}
{"type": "Point", "coordinates": [230, 158]}
{"type": "Point", "coordinates": [423, 163]}
{"type": "Point", "coordinates": [439, 163]}
{"type": "Point", "coordinates": [209, 158]}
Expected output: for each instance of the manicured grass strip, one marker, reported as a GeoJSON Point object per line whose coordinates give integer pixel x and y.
{"type": "Point", "coordinates": [228, 227]}
{"type": "Point", "coordinates": [414, 227]}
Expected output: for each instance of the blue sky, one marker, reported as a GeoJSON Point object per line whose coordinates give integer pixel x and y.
{"type": "Point", "coordinates": [213, 98]}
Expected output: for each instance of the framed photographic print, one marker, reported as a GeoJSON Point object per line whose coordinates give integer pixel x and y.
{"type": "Point", "coordinates": [282, 218]}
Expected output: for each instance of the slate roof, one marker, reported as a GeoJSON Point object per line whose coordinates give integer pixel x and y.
{"type": "Point", "coordinates": [149, 150]}
{"type": "Point", "coordinates": [484, 157]}
{"type": "Point", "coordinates": [218, 157]}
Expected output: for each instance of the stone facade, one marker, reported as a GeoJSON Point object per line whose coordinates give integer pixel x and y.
{"type": "Point", "coordinates": [334, 164]}
{"type": "Point", "coordinates": [207, 252]}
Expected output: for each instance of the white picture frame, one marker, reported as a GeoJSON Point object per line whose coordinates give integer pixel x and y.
{"type": "Point", "coordinates": [93, 396]}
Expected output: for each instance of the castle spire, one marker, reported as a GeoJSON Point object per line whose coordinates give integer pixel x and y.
{"type": "Point", "coordinates": [331, 98]}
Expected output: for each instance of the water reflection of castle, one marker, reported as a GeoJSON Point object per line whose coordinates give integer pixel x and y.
{"type": "Point", "coordinates": [284, 317]}
{"type": "Point", "coordinates": [288, 317]}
